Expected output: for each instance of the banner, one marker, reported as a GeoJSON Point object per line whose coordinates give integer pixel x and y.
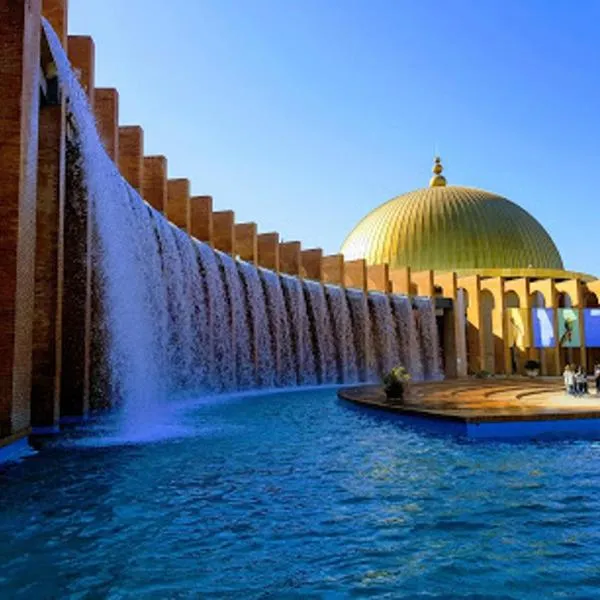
{"type": "Point", "coordinates": [543, 328]}
{"type": "Point", "coordinates": [591, 326]}
{"type": "Point", "coordinates": [568, 328]}
{"type": "Point", "coordinates": [516, 327]}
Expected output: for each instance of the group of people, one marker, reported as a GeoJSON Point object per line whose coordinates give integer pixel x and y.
{"type": "Point", "coordinates": [576, 380]}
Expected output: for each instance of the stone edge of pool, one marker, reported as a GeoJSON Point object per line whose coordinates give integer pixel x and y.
{"type": "Point", "coordinates": [533, 425]}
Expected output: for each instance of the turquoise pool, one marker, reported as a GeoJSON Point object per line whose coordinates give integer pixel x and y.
{"type": "Point", "coordinates": [298, 495]}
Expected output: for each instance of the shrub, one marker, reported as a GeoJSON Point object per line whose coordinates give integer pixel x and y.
{"type": "Point", "coordinates": [532, 365]}
{"type": "Point", "coordinates": [395, 382]}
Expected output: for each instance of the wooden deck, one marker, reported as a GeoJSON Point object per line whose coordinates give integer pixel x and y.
{"type": "Point", "coordinates": [477, 401]}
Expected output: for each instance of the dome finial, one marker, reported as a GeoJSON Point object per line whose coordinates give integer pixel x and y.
{"type": "Point", "coordinates": [438, 180]}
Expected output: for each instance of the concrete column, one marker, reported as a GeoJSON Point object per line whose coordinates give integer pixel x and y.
{"type": "Point", "coordinates": [246, 242]}
{"type": "Point", "coordinates": [56, 12]}
{"type": "Point", "coordinates": [19, 90]}
{"type": "Point", "coordinates": [475, 345]}
{"type": "Point", "coordinates": [378, 278]}
{"type": "Point", "coordinates": [400, 280]}
{"type": "Point", "coordinates": [268, 251]}
{"type": "Point", "coordinates": [332, 268]}
{"type": "Point", "coordinates": [355, 274]}
{"type": "Point", "coordinates": [495, 286]}
{"type": "Point", "coordinates": [289, 258]}
{"type": "Point", "coordinates": [224, 231]}
{"type": "Point", "coordinates": [81, 53]}
{"type": "Point", "coordinates": [131, 155]}
{"type": "Point", "coordinates": [201, 214]}
{"type": "Point", "coordinates": [424, 282]}
{"type": "Point", "coordinates": [106, 110]}
{"type": "Point", "coordinates": [178, 203]}
{"type": "Point", "coordinates": [154, 184]}
{"type": "Point", "coordinates": [573, 287]}
{"type": "Point", "coordinates": [311, 264]}
{"type": "Point", "coordinates": [49, 266]}
{"type": "Point", "coordinates": [455, 341]}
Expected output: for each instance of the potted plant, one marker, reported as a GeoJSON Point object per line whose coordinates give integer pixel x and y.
{"type": "Point", "coordinates": [532, 368]}
{"type": "Point", "coordinates": [395, 383]}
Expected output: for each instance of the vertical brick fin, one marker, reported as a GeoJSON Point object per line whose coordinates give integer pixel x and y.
{"type": "Point", "coordinates": [201, 208]}
{"type": "Point", "coordinates": [246, 242]}
{"type": "Point", "coordinates": [312, 264]}
{"type": "Point", "coordinates": [131, 155]}
{"type": "Point", "coordinates": [224, 231]}
{"type": "Point", "coordinates": [47, 330]}
{"type": "Point", "coordinates": [333, 269]}
{"type": "Point", "coordinates": [81, 53]}
{"type": "Point", "coordinates": [268, 251]}
{"type": "Point", "coordinates": [178, 203]}
{"type": "Point", "coordinates": [400, 280]}
{"type": "Point", "coordinates": [77, 298]}
{"type": "Point", "coordinates": [106, 110]}
{"type": "Point", "coordinates": [56, 11]}
{"type": "Point", "coordinates": [378, 278]}
{"type": "Point", "coordinates": [356, 274]}
{"type": "Point", "coordinates": [154, 186]}
{"type": "Point", "coordinates": [289, 257]}
{"type": "Point", "coordinates": [19, 108]}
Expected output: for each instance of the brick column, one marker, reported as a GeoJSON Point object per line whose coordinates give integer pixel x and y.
{"type": "Point", "coordinates": [47, 330]}
{"type": "Point", "coordinates": [106, 110]}
{"type": "Point", "coordinates": [154, 184]}
{"type": "Point", "coordinates": [332, 268]}
{"type": "Point", "coordinates": [246, 242]}
{"type": "Point", "coordinates": [19, 90]}
{"type": "Point", "coordinates": [77, 298]}
{"type": "Point", "coordinates": [131, 155]}
{"type": "Point", "coordinates": [400, 280]}
{"type": "Point", "coordinates": [268, 251]}
{"type": "Point", "coordinates": [356, 274]}
{"type": "Point", "coordinates": [56, 11]}
{"type": "Point", "coordinates": [224, 231]}
{"type": "Point", "coordinates": [378, 278]}
{"type": "Point", "coordinates": [311, 266]}
{"type": "Point", "coordinates": [178, 203]}
{"type": "Point", "coordinates": [81, 52]}
{"type": "Point", "coordinates": [289, 258]}
{"type": "Point", "coordinates": [202, 218]}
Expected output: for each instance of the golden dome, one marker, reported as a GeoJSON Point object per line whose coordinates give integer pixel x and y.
{"type": "Point", "coordinates": [452, 228]}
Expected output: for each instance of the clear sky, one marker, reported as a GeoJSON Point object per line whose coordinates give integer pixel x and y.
{"type": "Point", "coordinates": [303, 115]}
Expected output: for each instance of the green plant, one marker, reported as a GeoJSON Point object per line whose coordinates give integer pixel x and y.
{"type": "Point", "coordinates": [395, 382]}
{"type": "Point", "coordinates": [483, 374]}
{"type": "Point", "coordinates": [532, 365]}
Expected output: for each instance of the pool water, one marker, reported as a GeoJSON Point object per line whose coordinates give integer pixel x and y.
{"type": "Point", "coordinates": [300, 495]}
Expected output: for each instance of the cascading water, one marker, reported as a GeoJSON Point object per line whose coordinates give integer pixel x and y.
{"type": "Point", "coordinates": [428, 338]}
{"type": "Point", "coordinates": [342, 326]}
{"type": "Point", "coordinates": [386, 343]}
{"type": "Point", "coordinates": [410, 353]}
{"type": "Point", "coordinates": [183, 318]}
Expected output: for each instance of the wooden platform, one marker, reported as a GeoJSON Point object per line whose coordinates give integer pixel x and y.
{"type": "Point", "coordinates": [491, 407]}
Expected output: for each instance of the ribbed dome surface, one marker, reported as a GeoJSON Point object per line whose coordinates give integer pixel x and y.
{"type": "Point", "coordinates": [452, 228]}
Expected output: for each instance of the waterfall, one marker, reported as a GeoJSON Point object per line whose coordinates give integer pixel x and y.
{"type": "Point", "coordinates": [181, 317]}
{"type": "Point", "coordinates": [410, 353]}
{"type": "Point", "coordinates": [280, 329]}
{"type": "Point", "coordinates": [347, 367]}
{"type": "Point", "coordinates": [300, 330]}
{"type": "Point", "coordinates": [429, 338]}
{"type": "Point", "coordinates": [386, 346]}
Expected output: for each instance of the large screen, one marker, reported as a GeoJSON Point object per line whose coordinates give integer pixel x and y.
{"type": "Point", "coordinates": [591, 325]}
{"type": "Point", "coordinates": [516, 320]}
{"type": "Point", "coordinates": [543, 328]}
{"type": "Point", "coordinates": [568, 328]}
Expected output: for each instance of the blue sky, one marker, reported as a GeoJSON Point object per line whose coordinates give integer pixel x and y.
{"type": "Point", "coordinates": [303, 115]}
